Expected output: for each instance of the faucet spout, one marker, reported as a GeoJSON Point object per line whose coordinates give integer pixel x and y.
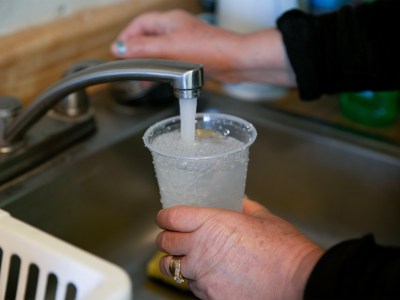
{"type": "Point", "coordinates": [185, 78]}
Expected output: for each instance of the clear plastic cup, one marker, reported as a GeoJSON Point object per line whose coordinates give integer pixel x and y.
{"type": "Point", "coordinates": [212, 171]}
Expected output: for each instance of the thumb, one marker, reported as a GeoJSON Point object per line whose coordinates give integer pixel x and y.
{"type": "Point", "coordinates": [253, 208]}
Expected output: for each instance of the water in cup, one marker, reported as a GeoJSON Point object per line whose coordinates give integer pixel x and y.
{"type": "Point", "coordinates": [210, 171]}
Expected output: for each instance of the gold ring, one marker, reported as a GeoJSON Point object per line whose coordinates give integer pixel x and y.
{"type": "Point", "coordinates": [175, 269]}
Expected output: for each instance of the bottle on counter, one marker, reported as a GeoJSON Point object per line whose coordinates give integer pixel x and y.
{"type": "Point", "coordinates": [371, 108]}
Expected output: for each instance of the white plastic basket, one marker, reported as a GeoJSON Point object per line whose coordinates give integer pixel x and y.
{"type": "Point", "coordinates": [36, 265]}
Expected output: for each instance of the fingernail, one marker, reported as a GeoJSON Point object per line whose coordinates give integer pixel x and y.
{"type": "Point", "coordinates": [120, 47]}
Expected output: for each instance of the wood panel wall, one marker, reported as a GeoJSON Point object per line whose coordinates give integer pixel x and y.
{"type": "Point", "coordinates": [32, 59]}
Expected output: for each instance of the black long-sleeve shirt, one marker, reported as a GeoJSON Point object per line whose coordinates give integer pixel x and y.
{"type": "Point", "coordinates": [353, 49]}
{"type": "Point", "coordinates": [356, 269]}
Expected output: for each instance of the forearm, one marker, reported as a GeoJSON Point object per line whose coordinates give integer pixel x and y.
{"type": "Point", "coordinates": [262, 58]}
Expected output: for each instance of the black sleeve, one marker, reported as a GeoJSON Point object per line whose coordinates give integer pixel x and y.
{"type": "Point", "coordinates": [356, 269]}
{"type": "Point", "coordinates": [353, 49]}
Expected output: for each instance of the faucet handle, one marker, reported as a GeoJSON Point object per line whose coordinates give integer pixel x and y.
{"type": "Point", "coordinates": [74, 105]}
{"type": "Point", "coordinates": [77, 103]}
{"type": "Point", "coordinates": [9, 108]}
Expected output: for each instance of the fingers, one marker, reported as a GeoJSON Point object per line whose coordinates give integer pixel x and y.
{"type": "Point", "coordinates": [139, 47]}
{"type": "Point", "coordinates": [185, 218]}
{"type": "Point", "coordinates": [145, 24]}
{"type": "Point", "coordinates": [177, 244]}
{"type": "Point", "coordinates": [174, 243]}
{"type": "Point", "coordinates": [165, 262]}
{"type": "Point", "coordinates": [155, 34]}
{"type": "Point", "coordinates": [137, 39]}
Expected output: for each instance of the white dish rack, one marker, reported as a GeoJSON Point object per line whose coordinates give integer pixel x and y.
{"type": "Point", "coordinates": [36, 265]}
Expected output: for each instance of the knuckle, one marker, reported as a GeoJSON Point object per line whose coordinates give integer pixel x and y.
{"type": "Point", "coordinates": [177, 11]}
{"type": "Point", "coordinates": [162, 241]}
{"type": "Point", "coordinates": [163, 265]}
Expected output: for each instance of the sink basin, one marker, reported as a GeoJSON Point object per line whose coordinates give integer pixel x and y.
{"type": "Point", "coordinates": [102, 196]}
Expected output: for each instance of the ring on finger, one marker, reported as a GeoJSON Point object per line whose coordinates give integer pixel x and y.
{"type": "Point", "coordinates": [175, 269]}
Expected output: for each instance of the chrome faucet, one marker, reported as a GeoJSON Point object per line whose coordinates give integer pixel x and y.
{"type": "Point", "coordinates": [185, 78]}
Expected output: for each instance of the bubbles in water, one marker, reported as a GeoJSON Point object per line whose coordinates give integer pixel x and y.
{"type": "Point", "coordinates": [226, 132]}
{"type": "Point", "coordinates": [209, 144]}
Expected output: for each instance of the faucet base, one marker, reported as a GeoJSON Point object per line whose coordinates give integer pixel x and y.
{"type": "Point", "coordinates": [49, 137]}
{"type": "Point", "coordinates": [5, 149]}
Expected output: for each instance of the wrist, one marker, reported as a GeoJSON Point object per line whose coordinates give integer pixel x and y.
{"type": "Point", "coordinates": [262, 58]}
{"type": "Point", "coordinates": [303, 271]}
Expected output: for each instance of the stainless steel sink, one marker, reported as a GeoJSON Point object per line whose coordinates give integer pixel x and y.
{"type": "Point", "coordinates": [101, 195]}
